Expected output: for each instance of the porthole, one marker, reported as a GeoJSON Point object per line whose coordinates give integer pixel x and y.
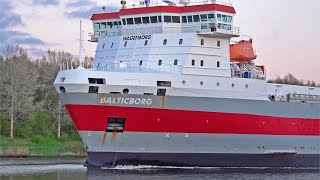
{"type": "Point", "coordinates": [218, 84]}
{"type": "Point", "coordinates": [125, 91]}
{"type": "Point", "coordinates": [201, 83]}
{"type": "Point", "coordinates": [62, 89]}
{"type": "Point", "coordinates": [232, 85]}
{"type": "Point", "coordinates": [247, 86]}
{"type": "Point", "coordinates": [183, 82]}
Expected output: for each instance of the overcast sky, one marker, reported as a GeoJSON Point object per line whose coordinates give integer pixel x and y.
{"type": "Point", "coordinates": [286, 33]}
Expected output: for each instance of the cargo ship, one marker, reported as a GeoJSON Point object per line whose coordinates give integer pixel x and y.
{"type": "Point", "coordinates": [170, 87]}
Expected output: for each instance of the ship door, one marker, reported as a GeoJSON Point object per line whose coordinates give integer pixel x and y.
{"type": "Point", "coordinates": [116, 124]}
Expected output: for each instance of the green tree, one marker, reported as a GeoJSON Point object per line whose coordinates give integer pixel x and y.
{"type": "Point", "coordinates": [19, 84]}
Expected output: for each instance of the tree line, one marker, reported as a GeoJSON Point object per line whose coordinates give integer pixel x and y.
{"type": "Point", "coordinates": [29, 104]}
{"type": "Point", "coordinates": [292, 80]}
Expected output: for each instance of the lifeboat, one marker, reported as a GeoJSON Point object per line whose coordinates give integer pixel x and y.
{"type": "Point", "coordinates": [242, 51]}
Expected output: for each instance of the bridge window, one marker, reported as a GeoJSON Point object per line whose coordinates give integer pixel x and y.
{"type": "Point", "coordinates": [159, 19]}
{"type": "Point", "coordinates": [124, 21]}
{"type": "Point", "coordinates": [165, 42]}
{"type": "Point", "coordinates": [154, 19]}
{"type": "Point", "coordinates": [167, 18]}
{"type": "Point", "coordinates": [218, 63]}
{"type": "Point", "coordinates": [103, 25]}
{"type": "Point", "coordinates": [219, 17]}
{"type": "Point", "coordinates": [159, 62]}
{"type": "Point", "coordinates": [103, 33]}
{"type": "Point", "coordinates": [196, 18]}
{"type": "Point", "coordinates": [145, 20]}
{"type": "Point", "coordinates": [176, 19]}
{"type": "Point", "coordinates": [201, 63]}
{"type": "Point", "coordinates": [180, 41]}
{"type": "Point", "coordinates": [193, 62]}
{"type": "Point", "coordinates": [96, 25]}
{"type": "Point", "coordinates": [129, 21]}
{"type": "Point", "coordinates": [229, 19]}
{"type": "Point", "coordinates": [224, 18]}
{"type": "Point", "coordinates": [109, 24]}
{"type": "Point", "coordinates": [190, 19]}
{"type": "Point", "coordinates": [125, 43]}
{"type": "Point", "coordinates": [175, 62]}
{"type": "Point", "coordinates": [203, 17]}
{"type": "Point", "coordinates": [137, 20]}
{"type": "Point", "coordinates": [218, 43]}
{"type": "Point", "coordinates": [211, 17]}
{"type": "Point", "coordinates": [184, 19]}
{"type": "Point", "coordinates": [202, 42]}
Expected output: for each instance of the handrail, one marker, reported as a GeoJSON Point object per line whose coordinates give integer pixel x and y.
{"type": "Point", "coordinates": [161, 3]}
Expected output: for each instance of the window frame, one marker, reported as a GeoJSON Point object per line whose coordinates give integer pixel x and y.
{"type": "Point", "coordinates": [176, 19]}
{"type": "Point", "coordinates": [165, 41]}
{"type": "Point", "coordinates": [137, 20]}
{"type": "Point", "coordinates": [196, 18]}
{"type": "Point", "coordinates": [184, 19]}
{"type": "Point", "coordinates": [175, 62]}
{"type": "Point", "coordinates": [167, 18]}
{"type": "Point", "coordinates": [152, 18]}
{"type": "Point", "coordinates": [180, 41]}
{"type": "Point", "coordinates": [144, 18]}
{"type": "Point", "coordinates": [130, 21]}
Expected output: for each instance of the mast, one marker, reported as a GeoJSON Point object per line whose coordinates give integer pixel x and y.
{"type": "Point", "coordinates": [81, 45]}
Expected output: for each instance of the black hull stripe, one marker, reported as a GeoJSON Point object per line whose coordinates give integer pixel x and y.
{"type": "Point", "coordinates": [111, 159]}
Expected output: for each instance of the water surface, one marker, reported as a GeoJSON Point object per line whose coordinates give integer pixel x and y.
{"type": "Point", "coordinates": [72, 168]}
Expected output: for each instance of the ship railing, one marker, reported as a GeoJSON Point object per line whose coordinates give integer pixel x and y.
{"type": "Point", "coordinates": [134, 66]}
{"type": "Point", "coordinates": [109, 32]}
{"type": "Point", "coordinates": [253, 74]}
{"type": "Point", "coordinates": [142, 30]}
{"type": "Point", "coordinates": [211, 27]}
{"type": "Point", "coordinates": [293, 97]}
{"type": "Point", "coordinates": [161, 3]}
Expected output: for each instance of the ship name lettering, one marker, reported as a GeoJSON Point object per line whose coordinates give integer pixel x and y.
{"type": "Point", "coordinates": [129, 101]}
{"type": "Point", "coordinates": [136, 37]}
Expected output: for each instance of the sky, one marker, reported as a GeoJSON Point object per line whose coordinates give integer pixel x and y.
{"type": "Point", "coordinates": [286, 33]}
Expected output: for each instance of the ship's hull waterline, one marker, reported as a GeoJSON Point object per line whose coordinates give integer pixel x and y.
{"type": "Point", "coordinates": [189, 131]}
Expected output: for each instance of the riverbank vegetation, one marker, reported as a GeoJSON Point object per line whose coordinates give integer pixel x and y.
{"type": "Point", "coordinates": [292, 80]}
{"type": "Point", "coordinates": [32, 118]}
